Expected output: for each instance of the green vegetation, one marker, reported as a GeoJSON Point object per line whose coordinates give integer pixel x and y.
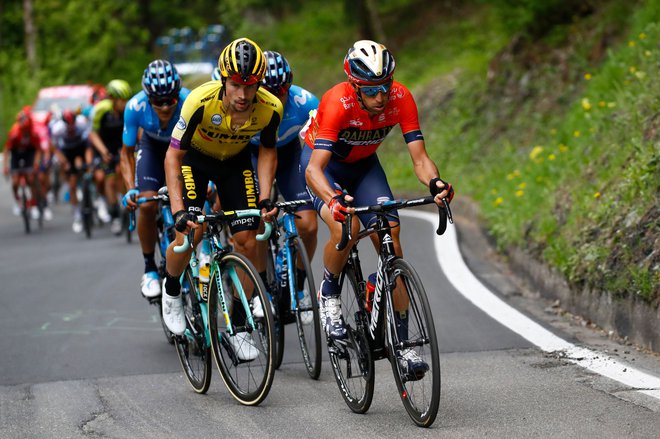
{"type": "Point", "coordinates": [545, 112]}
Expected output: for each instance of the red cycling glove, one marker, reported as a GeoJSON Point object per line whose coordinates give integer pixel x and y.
{"type": "Point", "coordinates": [337, 208]}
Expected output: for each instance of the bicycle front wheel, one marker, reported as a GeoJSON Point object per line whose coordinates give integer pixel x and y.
{"type": "Point", "coordinates": [351, 360]}
{"type": "Point", "coordinates": [87, 210]}
{"type": "Point", "coordinates": [418, 383]}
{"type": "Point", "coordinates": [276, 292]}
{"type": "Point", "coordinates": [307, 313]}
{"type": "Point", "coordinates": [245, 359]}
{"type": "Point", "coordinates": [194, 347]}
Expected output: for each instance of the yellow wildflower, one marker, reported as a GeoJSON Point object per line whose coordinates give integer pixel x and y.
{"type": "Point", "coordinates": [552, 157]}
{"type": "Point", "coordinates": [520, 193]}
{"type": "Point", "coordinates": [498, 201]}
{"type": "Point", "coordinates": [631, 43]}
{"type": "Point", "coordinates": [522, 185]}
{"type": "Point", "coordinates": [536, 151]}
{"type": "Point", "coordinates": [586, 104]}
{"type": "Point", "coordinates": [640, 75]}
{"type": "Point", "coordinates": [611, 104]}
{"type": "Point", "coordinates": [587, 76]}
{"type": "Point", "coordinates": [563, 148]}
{"type": "Point", "coordinates": [647, 53]}
{"type": "Point", "coordinates": [602, 104]}
{"type": "Point", "coordinates": [632, 69]}
{"type": "Point", "coordinates": [597, 195]}
{"type": "Point", "coordinates": [642, 36]}
{"type": "Point", "coordinates": [576, 133]}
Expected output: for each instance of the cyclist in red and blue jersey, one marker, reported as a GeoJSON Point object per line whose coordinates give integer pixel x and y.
{"type": "Point", "coordinates": [298, 103]}
{"type": "Point", "coordinates": [339, 156]}
{"type": "Point", "coordinates": [22, 154]}
{"type": "Point", "coordinates": [155, 110]}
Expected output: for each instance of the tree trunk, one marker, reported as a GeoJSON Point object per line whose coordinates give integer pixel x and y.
{"type": "Point", "coordinates": [30, 35]}
{"type": "Point", "coordinates": [365, 12]}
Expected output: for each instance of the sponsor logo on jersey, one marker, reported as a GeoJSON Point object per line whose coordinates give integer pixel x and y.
{"type": "Point", "coordinates": [181, 124]}
{"type": "Point", "coordinates": [208, 135]}
{"type": "Point", "coordinates": [355, 123]}
{"type": "Point", "coordinates": [188, 182]}
{"type": "Point", "coordinates": [364, 137]}
{"type": "Point", "coordinates": [250, 192]}
{"type": "Point", "coordinates": [216, 119]}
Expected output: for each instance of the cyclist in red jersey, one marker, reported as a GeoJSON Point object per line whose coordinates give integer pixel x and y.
{"type": "Point", "coordinates": [22, 154]}
{"type": "Point", "coordinates": [353, 119]}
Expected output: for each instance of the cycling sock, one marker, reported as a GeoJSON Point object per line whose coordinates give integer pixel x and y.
{"type": "Point", "coordinates": [301, 276]}
{"type": "Point", "coordinates": [149, 262]}
{"type": "Point", "coordinates": [237, 313]}
{"type": "Point", "coordinates": [172, 285]}
{"type": "Point", "coordinates": [114, 211]}
{"type": "Point", "coordinates": [330, 284]}
{"type": "Point", "coordinates": [401, 320]}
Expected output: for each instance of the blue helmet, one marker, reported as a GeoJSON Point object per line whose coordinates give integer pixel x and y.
{"type": "Point", "coordinates": [161, 79]}
{"type": "Point", "coordinates": [278, 72]}
{"type": "Point", "coordinates": [216, 76]}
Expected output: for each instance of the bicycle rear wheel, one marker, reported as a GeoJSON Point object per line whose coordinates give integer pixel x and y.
{"type": "Point", "coordinates": [25, 210]}
{"type": "Point", "coordinates": [87, 206]}
{"type": "Point", "coordinates": [351, 360]}
{"type": "Point", "coordinates": [419, 391]}
{"type": "Point", "coordinates": [307, 317]}
{"type": "Point", "coordinates": [193, 347]}
{"type": "Point", "coordinates": [248, 380]}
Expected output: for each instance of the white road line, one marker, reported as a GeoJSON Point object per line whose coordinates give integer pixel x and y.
{"type": "Point", "coordinates": [451, 261]}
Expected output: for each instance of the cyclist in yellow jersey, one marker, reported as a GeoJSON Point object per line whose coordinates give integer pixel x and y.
{"type": "Point", "coordinates": [209, 142]}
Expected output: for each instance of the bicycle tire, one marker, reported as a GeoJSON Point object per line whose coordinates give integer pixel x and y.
{"type": "Point", "coordinates": [194, 347]}
{"type": "Point", "coordinates": [357, 389]}
{"type": "Point", "coordinates": [25, 211]}
{"type": "Point", "coordinates": [87, 208]}
{"type": "Point", "coordinates": [248, 381]}
{"type": "Point", "coordinates": [309, 334]}
{"type": "Point", "coordinates": [420, 395]}
{"type": "Point", "coordinates": [276, 293]}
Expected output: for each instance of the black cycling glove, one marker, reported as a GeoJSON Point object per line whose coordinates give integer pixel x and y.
{"type": "Point", "coordinates": [181, 219]}
{"type": "Point", "coordinates": [435, 190]}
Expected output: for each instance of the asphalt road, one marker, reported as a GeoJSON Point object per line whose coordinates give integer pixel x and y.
{"type": "Point", "coordinates": [82, 354]}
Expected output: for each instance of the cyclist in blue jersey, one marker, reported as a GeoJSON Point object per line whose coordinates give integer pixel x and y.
{"type": "Point", "coordinates": [155, 110]}
{"type": "Point", "coordinates": [298, 103]}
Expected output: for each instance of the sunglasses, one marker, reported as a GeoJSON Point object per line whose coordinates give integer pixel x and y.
{"type": "Point", "coordinates": [279, 91]}
{"type": "Point", "coordinates": [163, 102]}
{"type": "Point", "coordinates": [373, 90]}
{"type": "Point", "coordinates": [250, 80]}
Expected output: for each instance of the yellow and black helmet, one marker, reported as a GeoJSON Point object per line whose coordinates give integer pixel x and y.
{"type": "Point", "coordinates": [243, 61]}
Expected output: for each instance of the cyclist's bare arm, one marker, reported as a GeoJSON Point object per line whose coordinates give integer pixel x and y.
{"type": "Point", "coordinates": [266, 166]}
{"type": "Point", "coordinates": [316, 178]}
{"type": "Point", "coordinates": [127, 165]}
{"type": "Point", "coordinates": [424, 167]}
{"type": "Point", "coordinates": [174, 178]}
{"type": "Point", "coordinates": [98, 144]}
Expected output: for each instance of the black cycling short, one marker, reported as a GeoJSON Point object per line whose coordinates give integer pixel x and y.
{"type": "Point", "coordinates": [22, 161]}
{"type": "Point", "coordinates": [71, 154]}
{"type": "Point", "coordinates": [234, 180]}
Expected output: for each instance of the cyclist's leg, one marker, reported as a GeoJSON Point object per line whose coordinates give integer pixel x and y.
{"type": "Point", "coordinates": [149, 177]}
{"type": "Point", "coordinates": [292, 186]}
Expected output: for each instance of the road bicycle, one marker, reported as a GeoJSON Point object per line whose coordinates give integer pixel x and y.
{"type": "Point", "coordinates": [233, 279]}
{"type": "Point", "coordinates": [371, 322]}
{"type": "Point", "coordinates": [87, 211]}
{"type": "Point", "coordinates": [24, 199]}
{"type": "Point", "coordinates": [165, 228]}
{"type": "Point", "coordinates": [293, 298]}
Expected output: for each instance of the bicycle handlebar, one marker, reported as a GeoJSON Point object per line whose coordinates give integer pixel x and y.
{"type": "Point", "coordinates": [223, 216]}
{"type": "Point", "coordinates": [444, 215]}
{"type": "Point", "coordinates": [290, 206]}
{"type": "Point", "coordinates": [142, 200]}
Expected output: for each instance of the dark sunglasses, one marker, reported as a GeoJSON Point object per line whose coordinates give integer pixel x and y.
{"type": "Point", "coordinates": [163, 102]}
{"type": "Point", "coordinates": [279, 91]}
{"type": "Point", "coordinates": [373, 90]}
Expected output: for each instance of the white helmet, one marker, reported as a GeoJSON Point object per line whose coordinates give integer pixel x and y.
{"type": "Point", "coordinates": [368, 62]}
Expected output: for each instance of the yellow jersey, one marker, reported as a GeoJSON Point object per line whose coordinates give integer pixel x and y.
{"type": "Point", "coordinates": [205, 126]}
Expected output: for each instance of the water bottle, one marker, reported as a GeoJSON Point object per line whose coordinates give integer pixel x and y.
{"type": "Point", "coordinates": [371, 287]}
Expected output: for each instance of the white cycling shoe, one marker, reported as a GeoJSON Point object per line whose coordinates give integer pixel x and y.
{"type": "Point", "coordinates": [244, 347]}
{"type": "Point", "coordinates": [150, 285]}
{"type": "Point", "coordinates": [304, 301]}
{"type": "Point", "coordinates": [258, 309]}
{"type": "Point", "coordinates": [173, 314]}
